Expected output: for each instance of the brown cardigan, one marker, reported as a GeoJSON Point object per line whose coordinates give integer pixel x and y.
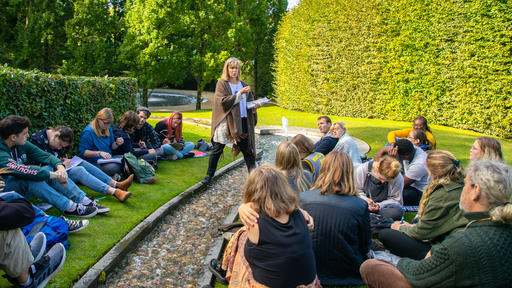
{"type": "Point", "coordinates": [224, 107]}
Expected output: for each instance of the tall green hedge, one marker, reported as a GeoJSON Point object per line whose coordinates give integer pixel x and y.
{"type": "Point", "coordinates": [449, 60]}
{"type": "Point", "coordinates": [49, 100]}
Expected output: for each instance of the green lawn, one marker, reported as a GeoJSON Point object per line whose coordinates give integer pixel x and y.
{"type": "Point", "coordinates": [173, 177]}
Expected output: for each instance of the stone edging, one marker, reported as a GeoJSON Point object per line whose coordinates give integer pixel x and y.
{"type": "Point", "coordinates": [114, 256]}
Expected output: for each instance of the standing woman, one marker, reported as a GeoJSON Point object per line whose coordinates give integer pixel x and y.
{"type": "Point", "coordinates": [97, 142]}
{"type": "Point", "coordinates": [232, 122]}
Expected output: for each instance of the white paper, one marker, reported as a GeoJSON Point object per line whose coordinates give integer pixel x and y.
{"type": "Point", "coordinates": [75, 161]}
{"type": "Point", "coordinates": [261, 101]}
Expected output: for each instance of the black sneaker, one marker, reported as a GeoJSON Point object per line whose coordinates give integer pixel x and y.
{"type": "Point", "coordinates": [38, 245]}
{"type": "Point", "coordinates": [46, 267]}
{"type": "Point", "coordinates": [207, 180]}
{"type": "Point", "coordinates": [83, 211]}
{"type": "Point", "coordinates": [101, 209]}
{"type": "Point", "coordinates": [76, 225]}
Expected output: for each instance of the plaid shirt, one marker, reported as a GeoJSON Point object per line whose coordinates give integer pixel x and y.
{"type": "Point", "coordinates": [146, 134]}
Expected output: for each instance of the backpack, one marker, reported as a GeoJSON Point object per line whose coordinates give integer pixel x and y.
{"type": "Point", "coordinates": [54, 228]}
{"type": "Point", "coordinates": [143, 171]}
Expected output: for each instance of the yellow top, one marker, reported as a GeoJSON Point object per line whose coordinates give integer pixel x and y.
{"type": "Point", "coordinates": [405, 132]}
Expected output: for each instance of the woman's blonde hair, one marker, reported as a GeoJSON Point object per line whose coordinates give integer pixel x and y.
{"type": "Point", "coordinates": [267, 188]}
{"type": "Point", "coordinates": [288, 161]}
{"type": "Point", "coordinates": [341, 125]}
{"type": "Point", "coordinates": [336, 175]}
{"type": "Point", "coordinates": [304, 144]}
{"type": "Point", "coordinates": [106, 115]}
{"type": "Point", "coordinates": [494, 179]}
{"type": "Point", "coordinates": [389, 167]}
{"type": "Point", "coordinates": [444, 168]}
{"type": "Point", "coordinates": [225, 71]}
{"type": "Point", "coordinates": [491, 149]}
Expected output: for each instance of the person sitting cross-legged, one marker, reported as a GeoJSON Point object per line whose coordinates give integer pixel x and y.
{"type": "Point", "coordinates": [170, 132]}
{"type": "Point", "coordinates": [478, 255]}
{"type": "Point", "coordinates": [42, 182]}
{"type": "Point", "coordinates": [57, 141]}
{"type": "Point", "coordinates": [144, 135]}
{"type": "Point", "coordinates": [25, 265]}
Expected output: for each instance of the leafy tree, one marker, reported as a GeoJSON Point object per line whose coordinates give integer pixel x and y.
{"type": "Point", "coordinates": [94, 35]}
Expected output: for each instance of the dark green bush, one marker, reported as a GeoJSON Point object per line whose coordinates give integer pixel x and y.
{"type": "Point", "coordinates": [450, 61]}
{"type": "Point", "coordinates": [49, 100]}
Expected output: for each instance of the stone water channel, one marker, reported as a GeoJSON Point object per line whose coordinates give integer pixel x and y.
{"type": "Point", "coordinates": [173, 254]}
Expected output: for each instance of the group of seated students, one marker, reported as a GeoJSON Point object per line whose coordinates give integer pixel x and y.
{"type": "Point", "coordinates": [41, 168]}
{"type": "Point", "coordinates": [303, 228]}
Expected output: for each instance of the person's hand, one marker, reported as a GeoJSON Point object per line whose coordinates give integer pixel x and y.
{"type": "Point", "coordinates": [372, 206]}
{"type": "Point", "coordinates": [246, 89]}
{"type": "Point", "coordinates": [119, 141]}
{"type": "Point", "coordinates": [248, 215]}
{"type": "Point", "coordinates": [62, 175]}
{"type": "Point", "coordinates": [105, 155]}
{"type": "Point", "coordinates": [66, 162]}
{"type": "Point", "coordinates": [166, 141]}
{"type": "Point", "coordinates": [2, 185]}
{"type": "Point", "coordinates": [142, 144]}
{"type": "Point", "coordinates": [256, 106]}
{"type": "Point", "coordinates": [309, 219]}
{"type": "Point", "coordinates": [393, 150]}
{"type": "Point", "coordinates": [396, 225]}
{"type": "Point", "coordinates": [151, 150]}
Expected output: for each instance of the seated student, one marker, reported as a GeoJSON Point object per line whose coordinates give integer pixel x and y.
{"type": "Point", "coordinates": [144, 136]}
{"type": "Point", "coordinates": [341, 238]}
{"type": "Point", "coordinates": [380, 184]}
{"type": "Point", "coordinates": [50, 183]}
{"type": "Point", "coordinates": [478, 255]}
{"type": "Point", "coordinates": [327, 143]}
{"type": "Point", "coordinates": [276, 252]}
{"type": "Point", "coordinates": [170, 132]}
{"type": "Point", "coordinates": [311, 161]}
{"type": "Point", "coordinates": [420, 123]}
{"type": "Point", "coordinates": [288, 161]}
{"type": "Point", "coordinates": [127, 122]}
{"type": "Point", "coordinates": [419, 139]}
{"type": "Point", "coordinates": [416, 175]}
{"type": "Point", "coordinates": [25, 265]}
{"type": "Point", "coordinates": [486, 148]}
{"type": "Point", "coordinates": [346, 143]}
{"type": "Point", "coordinates": [439, 213]}
{"type": "Point", "coordinates": [57, 140]}
{"type": "Point", "coordinates": [97, 142]}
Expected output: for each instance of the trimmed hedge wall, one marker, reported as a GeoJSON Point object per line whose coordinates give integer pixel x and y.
{"type": "Point", "coordinates": [449, 60]}
{"type": "Point", "coordinates": [50, 100]}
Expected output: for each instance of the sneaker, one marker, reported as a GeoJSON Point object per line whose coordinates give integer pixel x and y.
{"type": "Point", "coordinates": [83, 211]}
{"type": "Point", "coordinates": [188, 155]}
{"type": "Point", "coordinates": [172, 157]}
{"type": "Point", "coordinates": [125, 184]}
{"type": "Point", "coordinates": [206, 180]}
{"type": "Point", "coordinates": [38, 245]}
{"type": "Point", "coordinates": [46, 267]}
{"type": "Point", "coordinates": [101, 209]}
{"type": "Point", "coordinates": [76, 225]}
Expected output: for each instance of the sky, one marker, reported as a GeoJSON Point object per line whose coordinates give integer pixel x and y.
{"type": "Point", "coordinates": [292, 4]}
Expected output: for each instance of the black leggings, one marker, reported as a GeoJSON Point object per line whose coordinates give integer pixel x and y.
{"type": "Point", "coordinates": [402, 245]}
{"type": "Point", "coordinates": [218, 148]}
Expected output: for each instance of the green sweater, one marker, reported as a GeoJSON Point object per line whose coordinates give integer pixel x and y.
{"type": "Point", "coordinates": [19, 157]}
{"type": "Point", "coordinates": [479, 256]}
{"type": "Point", "coordinates": [441, 215]}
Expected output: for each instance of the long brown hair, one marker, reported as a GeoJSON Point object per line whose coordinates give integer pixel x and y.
{"type": "Point", "coordinates": [491, 149]}
{"type": "Point", "coordinates": [104, 114]}
{"type": "Point", "coordinates": [336, 175]}
{"type": "Point", "coordinates": [170, 130]}
{"type": "Point", "coordinates": [267, 188]}
{"type": "Point", "coordinates": [444, 168]}
{"type": "Point", "coordinates": [128, 121]}
{"type": "Point", "coordinates": [304, 144]}
{"type": "Point", "coordinates": [288, 161]}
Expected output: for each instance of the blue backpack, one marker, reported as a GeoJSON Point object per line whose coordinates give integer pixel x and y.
{"type": "Point", "coordinates": [54, 228]}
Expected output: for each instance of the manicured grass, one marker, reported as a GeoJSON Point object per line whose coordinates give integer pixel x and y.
{"type": "Point", "coordinates": [104, 231]}
{"type": "Point", "coordinates": [372, 131]}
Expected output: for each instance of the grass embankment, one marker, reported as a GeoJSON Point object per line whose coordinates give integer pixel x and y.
{"type": "Point", "coordinates": [371, 131]}
{"type": "Point", "coordinates": [104, 231]}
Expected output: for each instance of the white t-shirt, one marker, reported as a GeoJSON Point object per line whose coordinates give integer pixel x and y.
{"type": "Point", "coordinates": [417, 169]}
{"type": "Point", "coordinates": [243, 103]}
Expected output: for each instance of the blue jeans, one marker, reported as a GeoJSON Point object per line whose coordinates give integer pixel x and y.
{"type": "Point", "coordinates": [7, 196]}
{"type": "Point", "coordinates": [48, 191]}
{"type": "Point", "coordinates": [169, 150]}
{"type": "Point", "coordinates": [91, 176]}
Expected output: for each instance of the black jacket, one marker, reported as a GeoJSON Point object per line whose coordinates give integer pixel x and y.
{"type": "Point", "coordinates": [15, 213]}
